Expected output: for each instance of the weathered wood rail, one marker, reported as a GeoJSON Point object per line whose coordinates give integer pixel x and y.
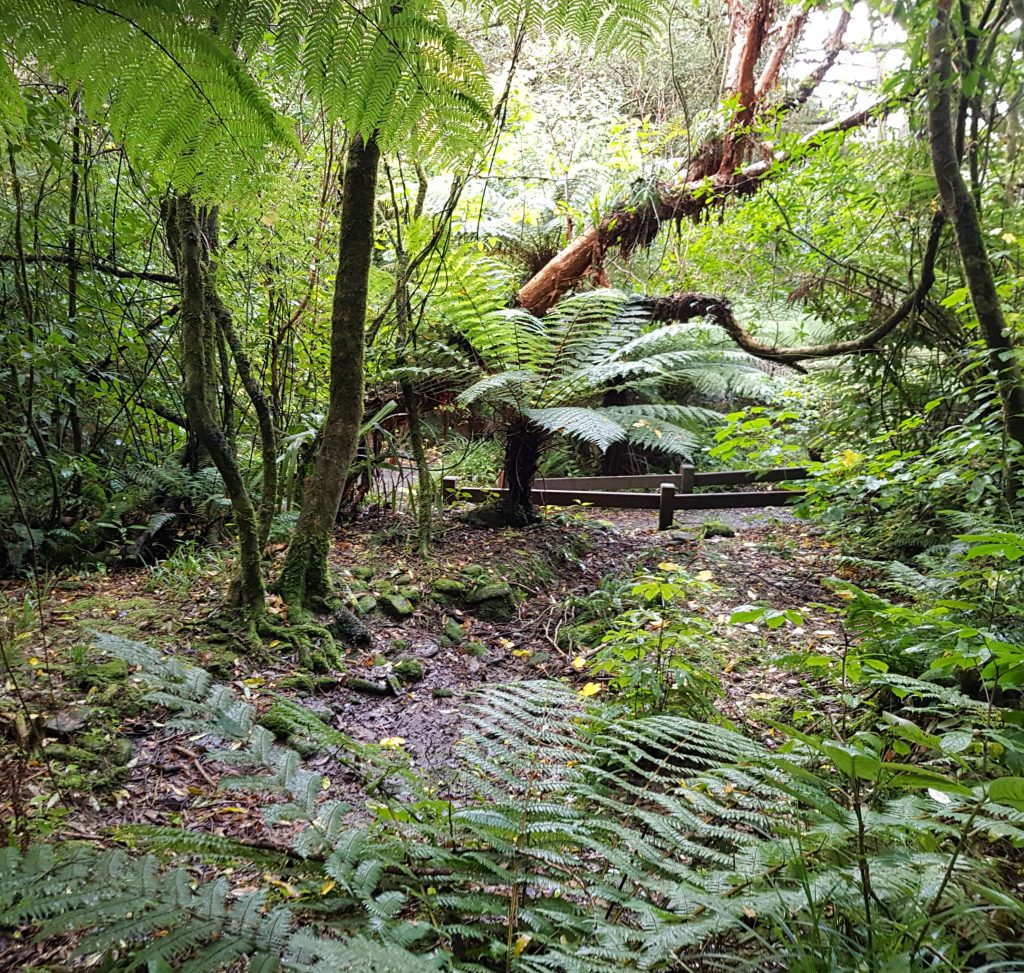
{"type": "Point", "coordinates": [675, 491]}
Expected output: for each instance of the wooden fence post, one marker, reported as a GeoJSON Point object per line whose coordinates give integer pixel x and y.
{"type": "Point", "coordinates": [449, 487]}
{"type": "Point", "coordinates": [666, 505]}
{"type": "Point", "coordinates": [686, 478]}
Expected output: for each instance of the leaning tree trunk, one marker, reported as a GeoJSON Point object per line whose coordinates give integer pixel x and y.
{"type": "Point", "coordinates": [720, 167]}
{"type": "Point", "coordinates": [303, 581]}
{"type": "Point", "coordinates": [963, 214]}
{"type": "Point", "coordinates": [198, 328]}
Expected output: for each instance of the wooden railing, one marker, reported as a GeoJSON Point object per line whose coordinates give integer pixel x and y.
{"type": "Point", "coordinates": [675, 491]}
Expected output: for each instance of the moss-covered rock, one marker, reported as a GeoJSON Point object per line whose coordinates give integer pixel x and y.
{"type": "Point", "coordinates": [408, 670]}
{"type": "Point", "coordinates": [412, 595]}
{"type": "Point", "coordinates": [442, 692]}
{"type": "Point", "coordinates": [717, 528]}
{"type": "Point", "coordinates": [473, 571]}
{"type": "Point", "coordinates": [448, 591]}
{"type": "Point", "coordinates": [395, 606]}
{"type": "Point", "coordinates": [474, 648]}
{"type": "Point", "coordinates": [452, 633]}
{"type": "Point", "coordinates": [362, 573]}
{"type": "Point", "coordinates": [366, 604]}
{"type": "Point", "coordinates": [493, 602]}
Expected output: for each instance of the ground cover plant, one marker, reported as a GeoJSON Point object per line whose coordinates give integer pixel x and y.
{"type": "Point", "coordinates": [274, 697]}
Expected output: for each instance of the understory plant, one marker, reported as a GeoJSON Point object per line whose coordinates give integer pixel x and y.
{"type": "Point", "coordinates": [559, 376]}
{"type": "Point", "coordinates": [567, 837]}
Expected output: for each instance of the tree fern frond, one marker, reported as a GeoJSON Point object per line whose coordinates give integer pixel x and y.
{"type": "Point", "coordinates": [587, 425]}
{"type": "Point", "coordinates": [176, 95]}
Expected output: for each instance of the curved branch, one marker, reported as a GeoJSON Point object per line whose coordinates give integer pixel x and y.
{"type": "Point", "coordinates": [688, 307]}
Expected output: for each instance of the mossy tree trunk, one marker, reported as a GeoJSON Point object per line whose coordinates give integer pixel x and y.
{"type": "Point", "coordinates": [303, 581]}
{"type": "Point", "coordinates": [962, 212]}
{"type": "Point", "coordinates": [189, 245]}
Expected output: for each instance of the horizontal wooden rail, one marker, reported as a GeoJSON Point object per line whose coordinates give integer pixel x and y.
{"type": "Point", "coordinates": [675, 492]}
{"type": "Point", "coordinates": [654, 481]}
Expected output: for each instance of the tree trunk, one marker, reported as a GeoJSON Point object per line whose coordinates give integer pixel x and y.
{"type": "Point", "coordinates": [524, 444]}
{"type": "Point", "coordinates": [714, 171]}
{"type": "Point", "coordinates": [963, 214]}
{"type": "Point", "coordinates": [303, 579]}
{"type": "Point", "coordinates": [198, 353]}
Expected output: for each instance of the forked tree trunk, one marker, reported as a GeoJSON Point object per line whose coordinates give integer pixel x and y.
{"type": "Point", "coordinates": [303, 580]}
{"type": "Point", "coordinates": [198, 328]}
{"type": "Point", "coordinates": [963, 214]}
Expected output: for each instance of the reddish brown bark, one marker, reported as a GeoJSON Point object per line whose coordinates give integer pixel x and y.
{"type": "Point", "coordinates": [714, 171]}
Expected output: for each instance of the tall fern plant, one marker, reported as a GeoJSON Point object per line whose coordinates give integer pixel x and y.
{"type": "Point", "coordinates": [549, 378]}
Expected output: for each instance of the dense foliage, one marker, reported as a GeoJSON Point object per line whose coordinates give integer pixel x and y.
{"type": "Point", "coordinates": [269, 270]}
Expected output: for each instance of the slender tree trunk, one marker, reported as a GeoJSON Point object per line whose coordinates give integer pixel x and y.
{"type": "Point", "coordinates": [303, 578]}
{"type": "Point", "coordinates": [198, 353]}
{"type": "Point", "coordinates": [963, 214]}
{"type": "Point", "coordinates": [261, 405]}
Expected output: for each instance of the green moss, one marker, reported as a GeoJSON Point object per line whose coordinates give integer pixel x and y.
{"type": "Point", "coordinates": [452, 633]}
{"type": "Point", "coordinates": [396, 606]}
{"type": "Point", "coordinates": [493, 602]}
{"type": "Point", "coordinates": [474, 648]}
{"type": "Point", "coordinates": [717, 528]}
{"type": "Point", "coordinates": [363, 573]}
{"type": "Point", "coordinates": [409, 670]}
{"type": "Point", "coordinates": [442, 693]}
{"type": "Point", "coordinates": [302, 681]}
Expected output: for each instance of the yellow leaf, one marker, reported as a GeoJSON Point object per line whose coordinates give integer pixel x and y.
{"type": "Point", "coordinates": [33, 661]}
{"type": "Point", "coordinates": [273, 643]}
{"type": "Point", "coordinates": [327, 886]}
{"type": "Point", "coordinates": [850, 458]}
{"type": "Point", "coordinates": [519, 653]}
{"type": "Point", "coordinates": [591, 689]}
{"type": "Point", "coordinates": [521, 943]}
{"type": "Point", "coordinates": [668, 566]}
{"type": "Point", "coordinates": [393, 742]}
{"type": "Point", "coordinates": [704, 575]}
{"type": "Point", "coordinates": [578, 663]}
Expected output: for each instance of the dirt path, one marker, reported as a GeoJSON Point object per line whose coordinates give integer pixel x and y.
{"type": "Point", "coordinates": [772, 558]}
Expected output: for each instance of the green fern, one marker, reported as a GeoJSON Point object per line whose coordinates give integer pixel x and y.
{"type": "Point", "coordinates": [171, 90]}
{"type": "Point", "coordinates": [574, 843]}
{"type": "Point", "coordinates": [556, 372]}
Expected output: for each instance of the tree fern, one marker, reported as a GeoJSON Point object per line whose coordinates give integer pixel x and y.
{"type": "Point", "coordinates": [169, 88]}
{"type": "Point", "coordinates": [556, 372]}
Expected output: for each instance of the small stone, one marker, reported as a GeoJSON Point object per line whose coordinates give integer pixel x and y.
{"type": "Point", "coordinates": [539, 658]}
{"type": "Point", "coordinates": [366, 604]}
{"type": "Point", "coordinates": [473, 571]}
{"type": "Point", "coordinates": [69, 720]}
{"type": "Point", "coordinates": [445, 591]}
{"type": "Point", "coordinates": [428, 650]}
{"type": "Point", "coordinates": [396, 606]}
{"type": "Point", "coordinates": [493, 602]}
{"type": "Point", "coordinates": [408, 670]}
{"type": "Point", "coordinates": [403, 578]}
{"type": "Point", "coordinates": [442, 693]}
{"type": "Point", "coordinates": [453, 633]}
{"type": "Point", "coordinates": [717, 528]}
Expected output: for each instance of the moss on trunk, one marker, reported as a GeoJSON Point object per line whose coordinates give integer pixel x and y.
{"type": "Point", "coordinates": [304, 577]}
